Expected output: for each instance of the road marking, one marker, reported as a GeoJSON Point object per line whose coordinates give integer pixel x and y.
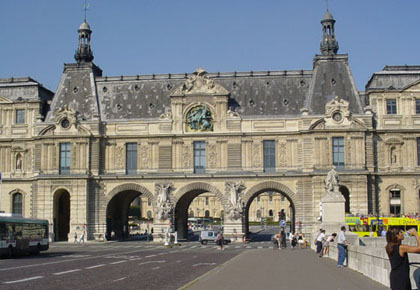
{"type": "Point", "coordinates": [66, 272]}
{"type": "Point", "coordinates": [150, 256]}
{"type": "Point", "coordinates": [118, 262]}
{"type": "Point", "coordinates": [194, 247]}
{"type": "Point", "coordinates": [120, 279]}
{"type": "Point", "coordinates": [155, 268]}
{"type": "Point", "coordinates": [148, 247]}
{"type": "Point", "coordinates": [249, 247]}
{"type": "Point", "coordinates": [203, 264]}
{"type": "Point", "coordinates": [194, 257]}
{"type": "Point", "coordinates": [179, 261]}
{"type": "Point", "coordinates": [74, 256]}
{"type": "Point", "coordinates": [135, 259]}
{"type": "Point", "coordinates": [96, 266]}
{"type": "Point", "coordinates": [173, 252]}
{"type": "Point", "coordinates": [148, 262]}
{"type": "Point", "coordinates": [260, 247]}
{"type": "Point", "coordinates": [237, 247]}
{"type": "Point", "coordinates": [24, 280]}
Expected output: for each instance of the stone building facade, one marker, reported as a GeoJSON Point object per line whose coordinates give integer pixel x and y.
{"type": "Point", "coordinates": [79, 156]}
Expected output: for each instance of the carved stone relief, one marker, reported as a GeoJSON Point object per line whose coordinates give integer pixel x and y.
{"type": "Point", "coordinates": [186, 156]}
{"type": "Point", "coordinates": [144, 156]}
{"type": "Point", "coordinates": [282, 154]}
{"type": "Point", "coordinates": [256, 155]}
{"type": "Point", "coordinates": [120, 157]}
{"type": "Point", "coordinates": [212, 156]}
{"type": "Point", "coordinates": [199, 83]}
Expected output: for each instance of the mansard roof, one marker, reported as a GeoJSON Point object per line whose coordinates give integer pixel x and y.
{"type": "Point", "coordinates": [251, 93]}
{"type": "Point", "coordinates": [394, 78]}
{"type": "Point", "coordinates": [23, 89]}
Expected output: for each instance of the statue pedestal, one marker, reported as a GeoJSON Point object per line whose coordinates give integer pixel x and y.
{"type": "Point", "coordinates": [233, 230]}
{"type": "Point", "coordinates": [159, 231]}
{"type": "Point", "coordinates": [333, 212]}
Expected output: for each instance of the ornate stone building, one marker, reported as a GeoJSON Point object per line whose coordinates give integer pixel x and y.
{"type": "Point", "coordinates": [78, 157]}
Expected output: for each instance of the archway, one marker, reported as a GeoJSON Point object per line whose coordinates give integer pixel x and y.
{"type": "Point", "coordinates": [185, 196]}
{"type": "Point", "coordinates": [117, 210]}
{"type": "Point", "coordinates": [271, 189]}
{"type": "Point", "coordinates": [61, 212]}
{"type": "Point", "coordinates": [346, 194]}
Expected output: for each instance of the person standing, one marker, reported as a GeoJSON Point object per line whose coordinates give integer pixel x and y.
{"type": "Point", "coordinates": [283, 239]}
{"type": "Point", "coordinates": [319, 241]}
{"type": "Point", "coordinates": [219, 241]}
{"type": "Point", "coordinates": [75, 238]}
{"type": "Point", "coordinates": [397, 253]}
{"type": "Point", "coordinates": [342, 244]}
{"type": "Point", "coordinates": [292, 239]}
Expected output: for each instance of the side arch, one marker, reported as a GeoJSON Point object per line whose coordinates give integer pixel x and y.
{"type": "Point", "coordinates": [129, 187]}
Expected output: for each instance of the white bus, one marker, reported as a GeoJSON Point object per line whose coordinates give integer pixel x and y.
{"type": "Point", "coordinates": [22, 235]}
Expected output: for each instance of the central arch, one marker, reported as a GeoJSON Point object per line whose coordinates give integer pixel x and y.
{"type": "Point", "coordinates": [269, 186]}
{"type": "Point", "coordinates": [118, 203]}
{"type": "Point", "coordinates": [183, 199]}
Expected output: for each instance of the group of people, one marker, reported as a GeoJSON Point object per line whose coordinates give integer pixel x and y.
{"type": "Point", "coordinates": [322, 243]}
{"type": "Point", "coordinates": [296, 240]}
{"type": "Point", "coordinates": [81, 239]}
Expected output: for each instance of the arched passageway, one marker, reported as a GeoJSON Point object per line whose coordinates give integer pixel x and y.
{"type": "Point", "coordinates": [61, 215]}
{"type": "Point", "coordinates": [345, 192]}
{"type": "Point", "coordinates": [117, 214]}
{"type": "Point", "coordinates": [272, 211]}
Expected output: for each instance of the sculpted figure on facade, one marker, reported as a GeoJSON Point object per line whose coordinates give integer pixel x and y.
{"type": "Point", "coordinates": [199, 83]}
{"type": "Point", "coordinates": [200, 119]}
{"type": "Point", "coordinates": [235, 208]}
{"type": "Point", "coordinates": [19, 161]}
{"type": "Point", "coordinates": [332, 182]}
{"type": "Point", "coordinates": [164, 207]}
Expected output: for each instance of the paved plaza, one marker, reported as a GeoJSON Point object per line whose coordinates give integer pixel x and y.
{"type": "Point", "coordinates": [142, 265]}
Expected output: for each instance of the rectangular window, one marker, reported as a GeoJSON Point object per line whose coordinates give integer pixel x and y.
{"type": "Point", "coordinates": [20, 116]}
{"type": "Point", "coordinates": [270, 199]}
{"type": "Point", "coordinates": [391, 106]}
{"type": "Point", "coordinates": [269, 156]}
{"type": "Point", "coordinates": [130, 158]}
{"type": "Point", "coordinates": [207, 200]}
{"type": "Point", "coordinates": [283, 198]}
{"type": "Point", "coordinates": [418, 151]}
{"type": "Point", "coordinates": [64, 158]}
{"type": "Point", "coordinates": [199, 156]}
{"type": "Point", "coordinates": [417, 106]}
{"type": "Point", "coordinates": [338, 151]}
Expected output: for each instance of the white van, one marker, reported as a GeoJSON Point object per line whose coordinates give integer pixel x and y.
{"type": "Point", "coordinates": [210, 236]}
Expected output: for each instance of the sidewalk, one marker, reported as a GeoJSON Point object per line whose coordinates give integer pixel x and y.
{"type": "Point", "coordinates": [286, 269]}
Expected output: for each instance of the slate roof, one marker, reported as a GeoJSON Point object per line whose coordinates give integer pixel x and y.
{"type": "Point", "coordinates": [24, 88]}
{"type": "Point", "coordinates": [251, 93]}
{"type": "Point", "coordinates": [394, 77]}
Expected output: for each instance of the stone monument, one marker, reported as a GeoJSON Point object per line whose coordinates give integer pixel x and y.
{"type": "Point", "coordinates": [333, 204]}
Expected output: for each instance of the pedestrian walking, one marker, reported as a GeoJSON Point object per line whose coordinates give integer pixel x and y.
{"type": "Point", "coordinates": [397, 253]}
{"type": "Point", "coordinates": [278, 239]}
{"type": "Point", "coordinates": [300, 240]}
{"type": "Point", "coordinates": [82, 238]}
{"type": "Point", "coordinates": [342, 245]}
{"type": "Point", "coordinates": [75, 238]}
{"type": "Point", "coordinates": [326, 245]}
{"type": "Point", "coordinates": [292, 239]}
{"type": "Point", "coordinates": [220, 241]}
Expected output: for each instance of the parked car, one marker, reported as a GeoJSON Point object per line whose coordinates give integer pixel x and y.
{"type": "Point", "coordinates": [210, 236]}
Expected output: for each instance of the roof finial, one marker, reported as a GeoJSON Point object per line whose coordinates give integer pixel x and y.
{"type": "Point", "coordinates": [326, 2]}
{"type": "Point", "coordinates": [85, 8]}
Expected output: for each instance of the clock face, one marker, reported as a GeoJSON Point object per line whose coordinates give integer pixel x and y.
{"type": "Point", "coordinates": [337, 117]}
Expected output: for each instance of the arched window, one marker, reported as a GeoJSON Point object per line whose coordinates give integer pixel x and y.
{"type": "Point", "coordinates": [270, 212]}
{"type": "Point", "coordinates": [207, 214]}
{"type": "Point", "coordinates": [17, 203]}
{"type": "Point", "coordinates": [149, 214]}
{"type": "Point", "coordinates": [258, 214]}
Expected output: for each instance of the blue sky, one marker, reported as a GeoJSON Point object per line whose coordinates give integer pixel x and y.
{"type": "Point", "coordinates": [133, 37]}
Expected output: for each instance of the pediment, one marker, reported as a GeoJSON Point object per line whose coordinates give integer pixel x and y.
{"type": "Point", "coordinates": [5, 100]}
{"type": "Point", "coordinates": [199, 84]}
{"type": "Point", "coordinates": [414, 87]}
{"type": "Point", "coordinates": [394, 141]}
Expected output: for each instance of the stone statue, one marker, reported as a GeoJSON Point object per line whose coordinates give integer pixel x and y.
{"type": "Point", "coordinates": [19, 162]}
{"type": "Point", "coordinates": [234, 211]}
{"type": "Point", "coordinates": [331, 181]}
{"type": "Point", "coordinates": [200, 118]}
{"type": "Point", "coordinates": [164, 207]}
